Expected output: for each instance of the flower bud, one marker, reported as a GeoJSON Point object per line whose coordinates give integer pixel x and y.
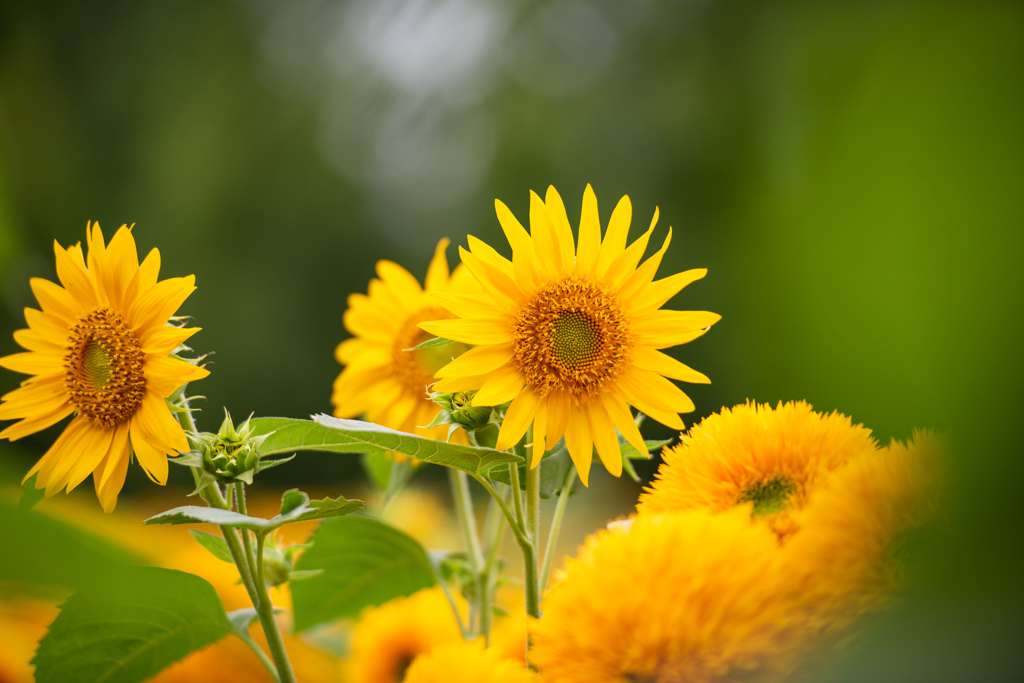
{"type": "Point", "coordinates": [232, 454]}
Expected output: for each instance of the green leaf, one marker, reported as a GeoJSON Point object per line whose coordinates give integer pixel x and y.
{"type": "Point", "coordinates": [330, 507]}
{"type": "Point", "coordinates": [30, 495]}
{"type": "Point", "coordinates": [431, 344]}
{"type": "Point", "coordinates": [364, 562]}
{"type": "Point", "coordinates": [217, 546]}
{"type": "Point", "coordinates": [326, 433]}
{"type": "Point", "coordinates": [293, 498]}
{"type": "Point", "coordinates": [242, 619]}
{"type": "Point", "coordinates": [652, 445]}
{"type": "Point", "coordinates": [130, 626]}
{"type": "Point", "coordinates": [193, 514]}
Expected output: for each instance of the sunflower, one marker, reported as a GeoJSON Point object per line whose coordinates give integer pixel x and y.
{"type": "Point", "coordinates": [99, 349]}
{"type": "Point", "coordinates": [861, 532]}
{"type": "Point", "coordinates": [382, 379]}
{"type": "Point", "coordinates": [570, 332]}
{"type": "Point", "coordinates": [467, 662]}
{"type": "Point", "coordinates": [698, 598]}
{"type": "Point", "coordinates": [387, 638]}
{"type": "Point", "coordinates": [752, 454]}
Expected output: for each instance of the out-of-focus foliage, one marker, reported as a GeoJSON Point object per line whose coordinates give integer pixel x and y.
{"type": "Point", "coordinates": [849, 173]}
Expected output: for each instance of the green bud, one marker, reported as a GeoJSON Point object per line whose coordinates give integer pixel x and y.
{"type": "Point", "coordinates": [232, 454]}
{"type": "Point", "coordinates": [276, 567]}
{"type": "Point", "coordinates": [460, 409]}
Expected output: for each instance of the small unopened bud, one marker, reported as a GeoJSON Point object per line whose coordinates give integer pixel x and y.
{"type": "Point", "coordinates": [232, 454]}
{"type": "Point", "coordinates": [460, 409]}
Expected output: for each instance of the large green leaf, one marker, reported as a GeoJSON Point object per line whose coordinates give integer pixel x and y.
{"type": "Point", "coordinates": [38, 551]}
{"type": "Point", "coordinates": [297, 508]}
{"type": "Point", "coordinates": [129, 627]}
{"type": "Point", "coordinates": [326, 433]}
{"type": "Point", "coordinates": [363, 562]}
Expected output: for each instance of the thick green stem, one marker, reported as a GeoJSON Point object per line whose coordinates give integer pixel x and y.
{"type": "Point", "coordinates": [265, 611]}
{"type": "Point", "coordinates": [246, 538]}
{"type": "Point", "coordinates": [530, 565]}
{"type": "Point", "coordinates": [510, 517]}
{"type": "Point", "coordinates": [467, 522]}
{"type": "Point", "coordinates": [517, 493]}
{"type": "Point", "coordinates": [494, 533]}
{"type": "Point", "coordinates": [556, 526]}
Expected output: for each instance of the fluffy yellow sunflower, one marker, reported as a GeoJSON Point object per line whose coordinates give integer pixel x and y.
{"type": "Point", "coordinates": [698, 598]}
{"type": "Point", "coordinates": [570, 332]}
{"type": "Point", "coordinates": [464, 662]}
{"type": "Point", "coordinates": [772, 458]}
{"type": "Point", "coordinates": [381, 379]}
{"type": "Point", "coordinates": [386, 639]}
{"type": "Point", "coordinates": [859, 530]}
{"type": "Point", "coordinates": [99, 348]}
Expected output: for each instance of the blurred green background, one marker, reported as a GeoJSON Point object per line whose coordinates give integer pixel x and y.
{"type": "Point", "coordinates": [852, 175]}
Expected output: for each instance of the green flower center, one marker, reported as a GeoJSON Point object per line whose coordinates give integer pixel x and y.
{"type": "Point", "coordinates": [770, 496]}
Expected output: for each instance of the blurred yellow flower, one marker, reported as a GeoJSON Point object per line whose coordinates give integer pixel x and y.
{"type": "Point", "coordinates": [381, 378]}
{"type": "Point", "coordinates": [99, 348]}
{"type": "Point", "coordinates": [772, 458]}
{"type": "Point", "coordinates": [683, 597]}
{"type": "Point", "coordinates": [570, 334]}
{"type": "Point", "coordinates": [464, 662]}
{"type": "Point", "coordinates": [857, 532]}
{"type": "Point", "coordinates": [386, 639]}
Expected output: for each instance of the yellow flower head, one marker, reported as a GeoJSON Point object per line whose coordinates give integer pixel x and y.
{"type": "Point", "coordinates": [697, 598]}
{"type": "Point", "coordinates": [99, 349]}
{"type": "Point", "coordinates": [381, 379]}
{"type": "Point", "coordinates": [464, 662]}
{"type": "Point", "coordinates": [754, 454]}
{"type": "Point", "coordinates": [570, 332]}
{"type": "Point", "coordinates": [859, 529]}
{"type": "Point", "coordinates": [386, 639]}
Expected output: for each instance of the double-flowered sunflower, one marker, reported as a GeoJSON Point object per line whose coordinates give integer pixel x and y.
{"type": "Point", "coordinates": [571, 331]}
{"type": "Point", "coordinates": [100, 349]}
{"type": "Point", "coordinates": [754, 454]}
{"type": "Point", "coordinates": [383, 379]}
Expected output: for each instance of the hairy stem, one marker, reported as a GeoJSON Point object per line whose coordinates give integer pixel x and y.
{"type": "Point", "coordinates": [556, 526]}
{"type": "Point", "coordinates": [467, 522]}
{"type": "Point", "coordinates": [265, 610]}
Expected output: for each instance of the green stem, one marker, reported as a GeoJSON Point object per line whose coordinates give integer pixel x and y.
{"type": "Point", "coordinates": [239, 488]}
{"type": "Point", "coordinates": [467, 522]}
{"type": "Point", "coordinates": [494, 534]}
{"type": "Point", "coordinates": [265, 611]}
{"type": "Point", "coordinates": [530, 566]}
{"type": "Point", "coordinates": [510, 517]}
{"type": "Point", "coordinates": [517, 494]}
{"type": "Point", "coordinates": [556, 526]}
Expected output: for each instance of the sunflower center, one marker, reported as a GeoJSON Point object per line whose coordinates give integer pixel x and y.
{"type": "Point", "coordinates": [571, 336]}
{"type": "Point", "coordinates": [770, 496]}
{"type": "Point", "coordinates": [415, 369]}
{"type": "Point", "coordinates": [103, 368]}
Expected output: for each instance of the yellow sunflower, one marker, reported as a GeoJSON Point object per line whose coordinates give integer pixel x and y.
{"type": "Point", "coordinates": [773, 458]}
{"type": "Point", "coordinates": [381, 379]}
{"type": "Point", "coordinates": [570, 332]}
{"type": "Point", "coordinates": [464, 662]}
{"type": "Point", "coordinates": [99, 348]}
{"type": "Point", "coordinates": [697, 598]}
{"type": "Point", "coordinates": [859, 530]}
{"type": "Point", "coordinates": [386, 639]}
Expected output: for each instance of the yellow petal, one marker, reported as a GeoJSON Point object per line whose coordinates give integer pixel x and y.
{"type": "Point", "coordinates": [549, 251]}
{"type": "Point", "coordinates": [94, 238]}
{"type": "Point", "coordinates": [36, 397]}
{"type": "Point", "coordinates": [477, 332]}
{"type": "Point", "coordinates": [559, 405]}
{"type": "Point", "coordinates": [37, 422]}
{"type": "Point", "coordinates": [399, 279]}
{"type": "Point", "coordinates": [489, 255]}
{"type": "Point", "coordinates": [87, 451]}
{"type": "Point", "coordinates": [504, 384]}
{"type": "Point", "coordinates": [605, 439]}
{"type": "Point", "coordinates": [120, 267]}
{"type": "Point", "coordinates": [540, 426]}
{"type": "Point", "coordinates": [52, 328]}
{"type": "Point", "coordinates": [661, 329]}
{"type": "Point", "coordinates": [162, 340]}
{"type": "Point", "coordinates": [159, 425]}
{"type": "Point", "coordinates": [580, 444]}
{"type": "Point", "coordinates": [115, 470]}
{"type": "Point", "coordinates": [652, 405]}
{"type": "Point", "coordinates": [164, 375]}
{"type": "Point", "coordinates": [152, 457]}
{"type": "Point", "coordinates": [647, 358]}
{"type": "Point", "coordinates": [658, 293]}
{"type": "Point", "coordinates": [497, 284]}
{"type": "Point", "coordinates": [118, 446]}
{"type": "Point", "coordinates": [623, 420]}
{"type": "Point", "coordinates": [34, 363]}
{"type": "Point", "coordinates": [560, 223]}
{"type": "Point", "coordinates": [74, 278]}
{"type": "Point", "coordinates": [624, 264]}
{"type": "Point", "coordinates": [55, 300]}
{"type": "Point", "coordinates": [524, 258]}
{"type": "Point", "coordinates": [437, 271]}
{"type": "Point", "coordinates": [615, 237]}
{"type": "Point", "coordinates": [54, 452]}
{"type": "Point", "coordinates": [517, 419]}
{"type": "Point", "coordinates": [449, 384]}
{"type": "Point", "coordinates": [479, 360]}
{"type": "Point", "coordinates": [590, 233]}
{"type": "Point", "coordinates": [644, 275]}
{"type": "Point", "coordinates": [33, 341]}
{"type": "Point", "coordinates": [155, 306]}
{"type": "Point", "coordinates": [475, 307]}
